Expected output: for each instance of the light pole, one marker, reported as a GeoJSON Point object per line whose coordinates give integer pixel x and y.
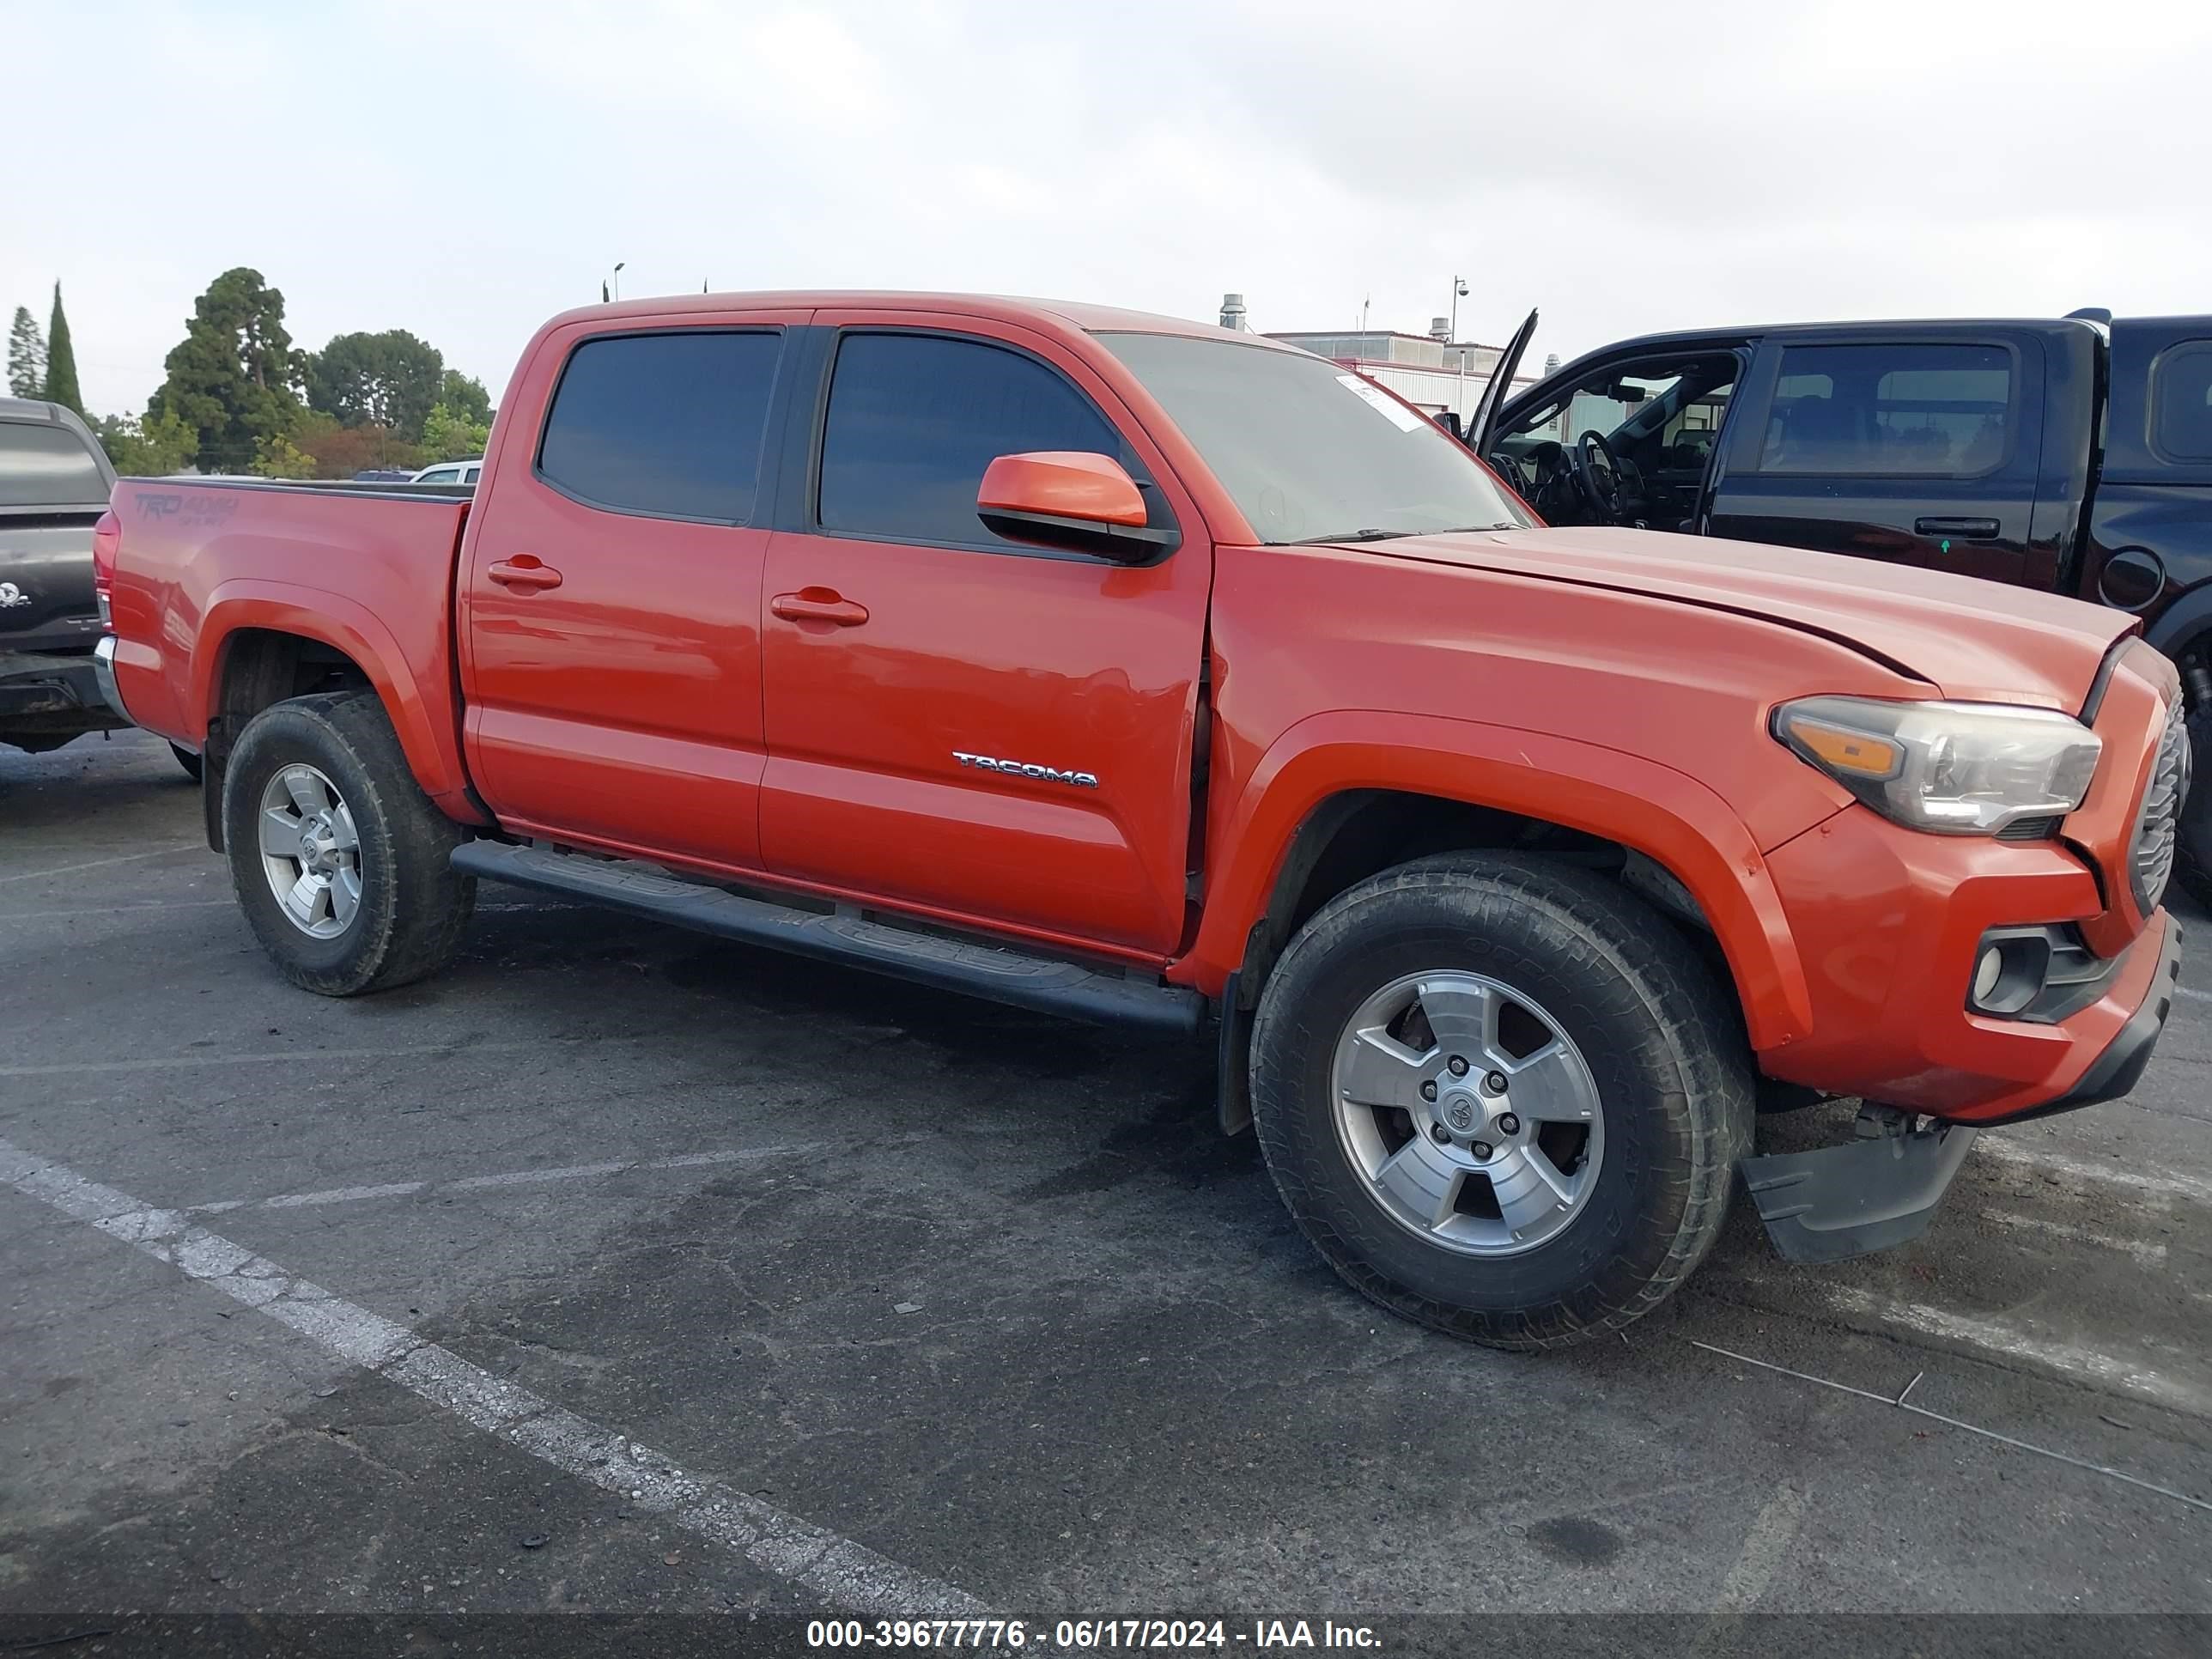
{"type": "Point", "coordinates": [616, 280]}
{"type": "Point", "coordinates": [1458, 292]}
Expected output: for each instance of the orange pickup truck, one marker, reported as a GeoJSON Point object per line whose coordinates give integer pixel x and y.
{"type": "Point", "coordinates": [1127, 668]}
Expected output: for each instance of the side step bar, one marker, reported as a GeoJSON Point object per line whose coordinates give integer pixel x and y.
{"type": "Point", "coordinates": [1021, 980]}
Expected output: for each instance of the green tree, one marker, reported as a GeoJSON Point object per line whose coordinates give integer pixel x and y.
{"type": "Point", "coordinates": [450, 437]}
{"type": "Point", "coordinates": [146, 446]}
{"type": "Point", "coordinates": [26, 356]}
{"type": "Point", "coordinates": [280, 458]}
{"type": "Point", "coordinates": [465, 395]}
{"type": "Point", "coordinates": [234, 377]}
{"type": "Point", "coordinates": [61, 361]}
{"type": "Point", "coordinates": [340, 451]}
{"type": "Point", "coordinates": [388, 379]}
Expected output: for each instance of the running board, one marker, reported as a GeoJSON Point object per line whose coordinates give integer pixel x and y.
{"type": "Point", "coordinates": [1021, 980]}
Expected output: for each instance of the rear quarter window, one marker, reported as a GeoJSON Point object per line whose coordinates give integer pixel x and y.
{"type": "Point", "coordinates": [2181, 402]}
{"type": "Point", "coordinates": [47, 465]}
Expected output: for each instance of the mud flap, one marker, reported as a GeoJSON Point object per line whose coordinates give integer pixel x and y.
{"type": "Point", "coordinates": [1861, 1196]}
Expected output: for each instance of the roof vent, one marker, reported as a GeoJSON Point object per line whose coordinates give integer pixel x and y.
{"type": "Point", "coordinates": [1232, 312]}
{"type": "Point", "coordinates": [1440, 328]}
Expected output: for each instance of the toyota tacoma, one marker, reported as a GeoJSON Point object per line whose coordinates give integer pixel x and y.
{"type": "Point", "coordinates": [1130, 669]}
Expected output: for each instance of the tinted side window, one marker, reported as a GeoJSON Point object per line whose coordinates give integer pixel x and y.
{"type": "Point", "coordinates": [665, 424]}
{"type": "Point", "coordinates": [43, 465]}
{"type": "Point", "coordinates": [2181, 402]}
{"type": "Point", "coordinates": [1890, 411]}
{"type": "Point", "coordinates": [913, 420]}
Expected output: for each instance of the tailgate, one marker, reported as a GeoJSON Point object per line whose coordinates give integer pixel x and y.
{"type": "Point", "coordinates": [46, 582]}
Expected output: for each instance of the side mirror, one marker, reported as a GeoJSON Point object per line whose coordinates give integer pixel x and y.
{"type": "Point", "coordinates": [1072, 499]}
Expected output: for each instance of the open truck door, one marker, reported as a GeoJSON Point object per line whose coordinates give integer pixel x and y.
{"type": "Point", "coordinates": [1482, 424]}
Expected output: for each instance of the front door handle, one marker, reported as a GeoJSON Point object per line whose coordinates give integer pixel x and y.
{"type": "Point", "coordinates": [1971, 530]}
{"type": "Point", "coordinates": [526, 571]}
{"type": "Point", "coordinates": [824, 604]}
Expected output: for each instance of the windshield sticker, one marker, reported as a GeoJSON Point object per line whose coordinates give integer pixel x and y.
{"type": "Point", "coordinates": [1381, 401]}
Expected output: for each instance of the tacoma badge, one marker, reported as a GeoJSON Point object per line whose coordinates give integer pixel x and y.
{"type": "Point", "coordinates": [1026, 769]}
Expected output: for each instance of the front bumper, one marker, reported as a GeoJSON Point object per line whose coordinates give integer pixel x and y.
{"type": "Point", "coordinates": [2116, 1071]}
{"type": "Point", "coordinates": [1889, 923]}
{"type": "Point", "coordinates": [1871, 1194]}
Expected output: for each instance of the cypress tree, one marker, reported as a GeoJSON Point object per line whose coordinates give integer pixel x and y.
{"type": "Point", "coordinates": [61, 361]}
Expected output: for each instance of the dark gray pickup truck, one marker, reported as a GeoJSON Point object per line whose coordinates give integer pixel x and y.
{"type": "Point", "coordinates": [54, 484]}
{"type": "Point", "coordinates": [2071, 454]}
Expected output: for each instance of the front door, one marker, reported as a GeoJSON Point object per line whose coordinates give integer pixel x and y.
{"type": "Point", "coordinates": [1916, 446]}
{"type": "Point", "coordinates": [610, 602]}
{"type": "Point", "coordinates": [904, 644]}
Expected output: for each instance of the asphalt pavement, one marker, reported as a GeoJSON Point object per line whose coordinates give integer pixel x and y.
{"type": "Point", "coordinates": [617, 1270]}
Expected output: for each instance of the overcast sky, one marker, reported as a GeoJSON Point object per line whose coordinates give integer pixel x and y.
{"type": "Point", "coordinates": [463, 170]}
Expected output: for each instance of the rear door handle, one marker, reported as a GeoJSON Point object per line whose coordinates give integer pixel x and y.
{"type": "Point", "coordinates": [824, 604]}
{"type": "Point", "coordinates": [1971, 529]}
{"type": "Point", "coordinates": [526, 571]}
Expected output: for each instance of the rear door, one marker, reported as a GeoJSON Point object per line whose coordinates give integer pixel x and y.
{"type": "Point", "coordinates": [904, 642]}
{"type": "Point", "coordinates": [2151, 520]}
{"type": "Point", "coordinates": [1916, 445]}
{"type": "Point", "coordinates": [610, 605]}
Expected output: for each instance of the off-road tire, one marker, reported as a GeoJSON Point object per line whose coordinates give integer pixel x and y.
{"type": "Point", "coordinates": [1663, 1044]}
{"type": "Point", "coordinates": [2194, 866]}
{"type": "Point", "coordinates": [413, 903]}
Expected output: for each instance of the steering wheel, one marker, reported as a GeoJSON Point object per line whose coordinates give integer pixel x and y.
{"type": "Point", "coordinates": [1597, 475]}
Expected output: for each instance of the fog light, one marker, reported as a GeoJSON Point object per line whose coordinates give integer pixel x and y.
{"type": "Point", "coordinates": [2010, 972]}
{"type": "Point", "coordinates": [1987, 972]}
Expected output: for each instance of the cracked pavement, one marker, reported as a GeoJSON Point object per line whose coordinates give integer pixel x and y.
{"type": "Point", "coordinates": [978, 1290]}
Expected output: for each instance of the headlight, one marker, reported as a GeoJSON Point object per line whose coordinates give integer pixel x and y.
{"type": "Point", "coordinates": [1959, 768]}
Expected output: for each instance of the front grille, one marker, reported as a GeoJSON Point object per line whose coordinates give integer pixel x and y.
{"type": "Point", "coordinates": [2150, 855]}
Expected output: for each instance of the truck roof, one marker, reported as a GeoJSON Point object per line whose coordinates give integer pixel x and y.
{"type": "Point", "coordinates": [996, 306]}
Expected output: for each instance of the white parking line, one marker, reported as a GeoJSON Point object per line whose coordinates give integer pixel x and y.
{"type": "Point", "coordinates": [458, 1049]}
{"type": "Point", "coordinates": [333, 1195]}
{"type": "Point", "coordinates": [114, 909]}
{"type": "Point", "coordinates": [530, 1177]}
{"type": "Point", "coordinates": [2051, 1161]}
{"type": "Point", "coordinates": [2133, 1376]}
{"type": "Point", "coordinates": [835, 1567]}
{"type": "Point", "coordinates": [102, 863]}
{"type": "Point", "coordinates": [2192, 994]}
{"type": "Point", "coordinates": [216, 904]}
{"type": "Point", "coordinates": [509, 1178]}
{"type": "Point", "coordinates": [2145, 1255]}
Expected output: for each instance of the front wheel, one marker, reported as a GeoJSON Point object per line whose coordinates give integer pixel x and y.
{"type": "Point", "coordinates": [340, 862]}
{"type": "Point", "coordinates": [1501, 1097]}
{"type": "Point", "coordinates": [2195, 863]}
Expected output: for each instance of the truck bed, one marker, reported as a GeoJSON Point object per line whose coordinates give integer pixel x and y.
{"type": "Point", "coordinates": [367, 569]}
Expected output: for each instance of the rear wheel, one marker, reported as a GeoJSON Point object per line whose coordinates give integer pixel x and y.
{"type": "Point", "coordinates": [340, 862]}
{"type": "Point", "coordinates": [1501, 1097]}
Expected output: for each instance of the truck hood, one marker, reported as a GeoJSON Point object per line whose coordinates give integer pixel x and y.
{"type": "Point", "coordinates": [1974, 641]}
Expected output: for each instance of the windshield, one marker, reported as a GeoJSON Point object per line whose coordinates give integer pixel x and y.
{"type": "Point", "coordinates": [1310, 452]}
